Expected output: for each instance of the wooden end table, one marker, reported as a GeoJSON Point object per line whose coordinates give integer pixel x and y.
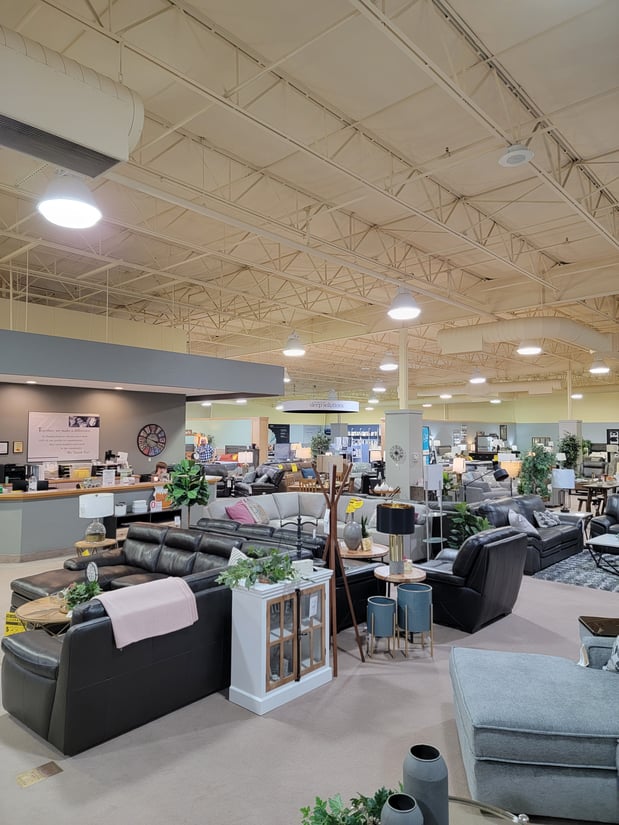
{"type": "Point", "coordinates": [378, 551]}
{"type": "Point", "coordinates": [382, 573]}
{"type": "Point", "coordinates": [86, 548]}
{"type": "Point", "coordinates": [43, 613]}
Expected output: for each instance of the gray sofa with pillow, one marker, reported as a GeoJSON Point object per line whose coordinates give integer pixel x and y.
{"type": "Point", "coordinates": [547, 543]}
{"type": "Point", "coordinates": [266, 478]}
{"type": "Point", "coordinates": [522, 752]}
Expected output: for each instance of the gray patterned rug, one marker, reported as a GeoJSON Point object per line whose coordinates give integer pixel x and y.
{"type": "Point", "coordinates": [581, 570]}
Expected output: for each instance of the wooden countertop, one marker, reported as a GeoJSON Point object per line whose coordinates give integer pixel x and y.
{"type": "Point", "coordinates": [68, 492]}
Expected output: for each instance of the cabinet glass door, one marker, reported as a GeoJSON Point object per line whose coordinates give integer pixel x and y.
{"type": "Point", "coordinates": [281, 641]}
{"type": "Point", "coordinates": [311, 628]}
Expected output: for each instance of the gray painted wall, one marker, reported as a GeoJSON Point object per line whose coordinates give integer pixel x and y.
{"type": "Point", "coordinates": [122, 416]}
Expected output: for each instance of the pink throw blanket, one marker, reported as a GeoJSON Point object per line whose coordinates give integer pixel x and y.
{"type": "Point", "coordinates": [151, 609]}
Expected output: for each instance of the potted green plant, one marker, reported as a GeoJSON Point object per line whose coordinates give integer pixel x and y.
{"type": "Point", "coordinates": [187, 486]}
{"type": "Point", "coordinates": [535, 471]}
{"type": "Point", "coordinates": [80, 592]}
{"type": "Point", "coordinates": [569, 445]}
{"type": "Point", "coordinates": [366, 538]}
{"type": "Point", "coordinates": [464, 523]}
{"type": "Point", "coordinates": [320, 443]}
{"type": "Point", "coordinates": [270, 569]}
{"type": "Point", "coordinates": [361, 810]}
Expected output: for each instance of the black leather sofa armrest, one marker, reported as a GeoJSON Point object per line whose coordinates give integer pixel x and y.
{"type": "Point", "coordinates": [203, 581]}
{"type": "Point", "coordinates": [36, 651]}
{"type": "Point", "coordinates": [104, 559]}
{"type": "Point", "coordinates": [443, 576]}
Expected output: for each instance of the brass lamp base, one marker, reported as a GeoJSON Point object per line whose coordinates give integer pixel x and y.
{"type": "Point", "coordinates": [396, 555]}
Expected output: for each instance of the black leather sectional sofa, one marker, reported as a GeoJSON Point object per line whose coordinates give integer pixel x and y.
{"type": "Point", "coordinates": [552, 544]}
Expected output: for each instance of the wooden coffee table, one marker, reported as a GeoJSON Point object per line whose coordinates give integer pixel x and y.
{"type": "Point", "coordinates": [43, 613]}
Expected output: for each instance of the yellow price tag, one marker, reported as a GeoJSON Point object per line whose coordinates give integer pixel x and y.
{"type": "Point", "coordinates": [12, 624]}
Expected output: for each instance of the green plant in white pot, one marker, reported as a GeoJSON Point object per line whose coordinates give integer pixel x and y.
{"type": "Point", "coordinates": [271, 568]}
{"type": "Point", "coordinates": [187, 486]}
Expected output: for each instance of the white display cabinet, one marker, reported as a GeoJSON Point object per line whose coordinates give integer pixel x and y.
{"type": "Point", "coordinates": [280, 641]}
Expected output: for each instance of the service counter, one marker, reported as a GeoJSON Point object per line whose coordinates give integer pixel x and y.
{"type": "Point", "coordinates": [46, 523]}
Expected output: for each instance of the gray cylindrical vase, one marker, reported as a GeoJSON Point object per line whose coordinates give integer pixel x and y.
{"type": "Point", "coordinates": [401, 809]}
{"type": "Point", "coordinates": [425, 779]}
{"type": "Point", "coordinates": [352, 535]}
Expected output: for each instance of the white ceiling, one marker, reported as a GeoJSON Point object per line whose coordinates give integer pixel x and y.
{"type": "Point", "coordinates": [299, 160]}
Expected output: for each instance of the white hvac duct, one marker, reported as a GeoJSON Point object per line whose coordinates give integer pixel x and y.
{"type": "Point", "coordinates": [55, 109]}
{"type": "Point", "coordinates": [497, 388]}
{"type": "Point", "coordinates": [472, 338]}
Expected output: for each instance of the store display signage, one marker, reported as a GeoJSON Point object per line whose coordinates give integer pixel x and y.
{"type": "Point", "coordinates": [315, 405]}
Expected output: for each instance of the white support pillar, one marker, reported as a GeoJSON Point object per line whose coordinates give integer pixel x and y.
{"type": "Point", "coordinates": [403, 376]}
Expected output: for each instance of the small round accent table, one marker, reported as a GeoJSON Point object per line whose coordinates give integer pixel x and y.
{"type": "Point", "coordinates": [376, 552]}
{"type": "Point", "coordinates": [43, 613]}
{"type": "Point", "coordinates": [86, 548]}
{"type": "Point", "coordinates": [382, 573]}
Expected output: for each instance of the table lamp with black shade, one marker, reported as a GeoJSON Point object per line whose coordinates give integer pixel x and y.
{"type": "Point", "coordinates": [397, 520]}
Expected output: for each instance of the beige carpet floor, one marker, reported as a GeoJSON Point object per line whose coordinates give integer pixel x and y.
{"type": "Point", "coordinates": [214, 763]}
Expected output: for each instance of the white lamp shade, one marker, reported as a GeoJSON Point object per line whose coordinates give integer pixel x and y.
{"type": "Point", "coordinates": [68, 202]}
{"type": "Point", "coordinates": [245, 457]}
{"type": "Point", "coordinates": [404, 306]}
{"type": "Point", "coordinates": [459, 465]}
{"type": "Point", "coordinates": [563, 479]}
{"type": "Point", "coordinates": [96, 505]}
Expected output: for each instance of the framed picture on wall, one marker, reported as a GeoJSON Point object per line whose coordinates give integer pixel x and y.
{"type": "Point", "coordinates": [4, 447]}
{"type": "Point", "coordinates": [503, 432]}
{"type": "Point", "coordinates": [18, 446]}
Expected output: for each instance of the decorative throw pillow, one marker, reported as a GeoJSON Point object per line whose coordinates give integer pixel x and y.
{"type": "Point", "coordinates": [263, 479]}
{"type": "Point", "coordinates": [546, 518]}
{"type": "Point", "coordinates": [519, 522]}
{"type": "Point", "coordinates": [241, 513]}
{"type": "Point", "coordinates": [249, 477]}
{"type": "Point", "coordinates": [236, 555]}
{"type": "Point", "coordinates": [308, 472]}
{"type": "Point", "coordinates": [257, 511]}
{"type": "Point", "coordinates": [613, 663]}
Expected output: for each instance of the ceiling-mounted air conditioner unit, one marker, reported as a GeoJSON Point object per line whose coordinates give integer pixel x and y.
{"type": "Point", "coordinates": [60, 111]}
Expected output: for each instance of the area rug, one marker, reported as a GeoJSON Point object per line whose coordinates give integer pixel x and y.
{"type": "Point", "coordinates": [581, 570]}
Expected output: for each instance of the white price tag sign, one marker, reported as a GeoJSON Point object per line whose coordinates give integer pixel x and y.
{"type": "Point", "coordinates": [313, 605]}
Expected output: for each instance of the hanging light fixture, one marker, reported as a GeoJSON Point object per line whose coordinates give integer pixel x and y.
{"type": "Point", "coordinates": [495, 401]}
{"type": "Point", "coordinates": [599, 367]}
{"type": "Point", "coordinates": [445, 396]}
{"type": "Point", "coordinates": [69, 202]}
{"type": "Point", "coordinates": [477, 378]}
{"type": "Point", "coordinates": [388, 364]}
{"type": "Point", "coordinates": [286, 376]}
{"type": "Point", "coordinates": [516, 155]}
{"type": "Point", "coordinates": [576, 396]}
{"type": "Point", "coordinates": [379, 388]}
{"type": "Point", "coordinates": [294, 348]}
{"type": "Point", "coordinates": [529, 348]}
{"type": "Point", "coordinates": [404, 307]}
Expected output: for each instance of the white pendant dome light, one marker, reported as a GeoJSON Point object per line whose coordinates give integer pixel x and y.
{"type": "Point", "coordinates": [404, 307]}
{"type": "Point", "coordinates": [69, 202]}
{"type": "Point", "coordinates": [529, 348]}
{"type": "Point", "coordinates": [294, 348]}
{"type": "Point", "coordinates": [477, 378]}
{"type": "Point", "coordinates": [388, 364]}
{"type": "Point", "coordinates": [599, 367]}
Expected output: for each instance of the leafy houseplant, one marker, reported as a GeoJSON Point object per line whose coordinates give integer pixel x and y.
{"type": "Point", "coordinates": [270, 569]}
{"type": "Point", "coordinates": [80, 592]}
{"type": "Point", "coordinates": [569, 445]}
{"type": "Point", "coordinates": [320, 443]}
{"type": "Point", "coordinates": [187, 486]}
{"type": "Point", "coordinates": [535, 471]}
{"type": "Point", "coordinates": [465, 524]}
{"type": "Point", "coordinates": [362, 810]}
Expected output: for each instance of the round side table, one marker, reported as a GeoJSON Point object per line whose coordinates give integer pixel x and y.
{"type": "Point", "coordinates": [87, 548]}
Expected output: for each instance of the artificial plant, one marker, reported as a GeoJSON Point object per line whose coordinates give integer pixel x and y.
{"type": "Point", "coordinates": [79, 592]}
{"type": "Point", "coordinates": [320, 443]}
{"type": "Point", "coordinates": [535, 471]}
{"type": "Point", "coordinates": [569, 445]}
{"type": "Point", "coordinates": [187, 486]}
{"type": "Point", "coordinates": [361, 810]}
{"type": "Point", "coordinates": [270, 568]}
{"type": "Point", "coordinates": [464, 523]}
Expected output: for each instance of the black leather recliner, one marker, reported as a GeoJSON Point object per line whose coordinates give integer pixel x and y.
{"type": "Point", "coordinates": [609, 521]}
{"type": "Point", "coordinates": [479, 583]}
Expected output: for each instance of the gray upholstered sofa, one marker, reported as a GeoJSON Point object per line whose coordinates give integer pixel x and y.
{"type": "Point", "coordinates": [539, 734]}
{"type": "Point", "coordinates": [480, 485]}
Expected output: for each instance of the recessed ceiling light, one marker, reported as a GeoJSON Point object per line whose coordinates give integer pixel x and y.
{"type": "Point", "coordinates": [495, 401]}
{"type": "Point", "coordinates": [529, 348]}
{"type": "Point", "coordinates": [477, 378]}
{"type": "Point", "coordinates": [576, 396]}
{"type": "Point", "coordinates": [445, 395]}
{"type": "Point", "coordinates": [404, 306]}
{"type": "Point", "coordinates": [426, 405]}
{"type": "Point", "coordinates": [241, 401]}
{"type": "Point", "coordinates": [205, 404]}
{"type": "Point", "coordinates": [379, 388]}
{"type": "Point", "coordinates": [516, 155]}
{"type": "Point", "coordinates": [31, 382]}
{"type": "Point", "coordinates": [388, 364]}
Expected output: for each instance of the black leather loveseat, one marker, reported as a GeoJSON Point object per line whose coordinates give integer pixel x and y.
{"type": "Point", "coordinates": [79, 689]}
{"type": "Point", "coordinates": [479, 583]}
{"type": "Point", "coordinates": [545, 545]}
{"type": "Point", "coordinates": [609, 521]}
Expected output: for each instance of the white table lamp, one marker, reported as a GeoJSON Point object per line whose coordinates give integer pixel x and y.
{"type": "Point", "coordinates": [563, 480]}
{"type": "Point", "coordinates": [96, 506]}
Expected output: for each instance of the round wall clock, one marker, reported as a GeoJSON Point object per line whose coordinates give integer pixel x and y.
{"type": "Point", "coordinates": [397, 453]}
{"type": "Point", "coordinates": [151, 439]}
